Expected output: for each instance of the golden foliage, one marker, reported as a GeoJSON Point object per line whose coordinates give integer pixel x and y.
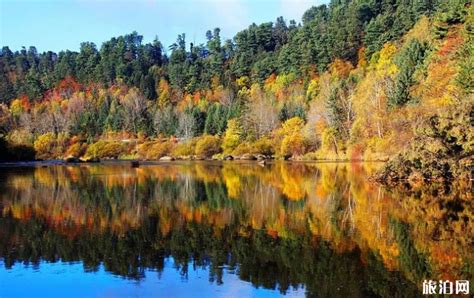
{"type": "Point", "coordinates": [232, 136]}
{"type": "Point", "coordinates": [44, 146]}
{"type": "Point", "coordinates": [292, 139]}
{"type": "Point", "coordinates": [207, 146]}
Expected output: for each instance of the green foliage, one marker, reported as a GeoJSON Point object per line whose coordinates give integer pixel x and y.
{"type": "Point", "coordinates": [465, 78]}
{"type": "Point", "coordinates": [123, 58]}
{"type": "Point", "coordinates": [199, 121]}
{"type": "Point", "coordinates": [290, 110]}
{"type": "Point", "coordinates": [216, 119]}
{"type": "Point", "coordinates": [217, 116]}
{"type": "Point", "coordinates": [328, 32]}
{"type": "Point", "coordinates": [453, 11]}
{"type": "Point", "coordinates": [408, 60]}
{"type": "Point", "coordinates": [413, 261]}
{"type": "Point", "coordinates": [266, 75]}
{"type": "Point", "coordinates": [166, 121]}
{"type": "Point", "coordinates": [377, 34]}
{"type": "Point", "coordinates": [393, 19]}
{"type": "Point", "coordinates": [440, 30]}
{"type": "Point", "coordinates": [340, 113]}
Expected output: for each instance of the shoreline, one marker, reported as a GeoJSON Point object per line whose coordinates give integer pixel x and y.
{"type": "Point", "coordinates": [136, 163]}
{"type": "Point", "coordinates": [55, 162]}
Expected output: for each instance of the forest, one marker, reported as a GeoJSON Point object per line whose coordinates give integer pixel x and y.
{"type": "Point", "coordinates": [353, 80]}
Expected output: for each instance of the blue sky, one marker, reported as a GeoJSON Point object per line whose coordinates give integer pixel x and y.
{"type": "Point", "coordinates": [63, 24]}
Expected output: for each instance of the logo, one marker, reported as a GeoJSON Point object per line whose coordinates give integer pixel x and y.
{"type": "Point", "coordinates": [445, 287]}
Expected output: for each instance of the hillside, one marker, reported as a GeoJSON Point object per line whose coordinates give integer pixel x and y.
{"type": "Point", "coordinates": [359, 80]}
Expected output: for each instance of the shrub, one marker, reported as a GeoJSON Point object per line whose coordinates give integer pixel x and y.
{"type": "Point", "coordinates": [44, 146]}
{"type": "Point", "coordinates": [75, 150]}
{"type": "Point", "coordinates": [111, 150]}
{"type": "Point", "coordinates": [95, 149]}
{"type": "Point", "coordinates": [311, 156]}
{"type": "Point", "coordinates": [143, 149]}
{"type": "Point", "coordinates": [103, 149]}
{"type": "Point", "coordinates": [20, 136]}
{"type": "Point", "coordinates": [184, 149]}
{"type": "Point", "coordinates": [155, 150]}
{"type": "Point", "coordinates": [330, 142]}
{"type": "Point", "coordinates": [442, 148]}
{"type": "Point", "coordinates": [292, 145]}
{"type": "Point", "coordinates": [159, 150]}
{"type": "Point", "coordinates": [62, 142]}
{"type": "Point", "coordinates": [380, 148]}
{"type": "Point", "coordinates": [264, 146]}
{"type": "Point", "coordinates": [243, 148]}
{"type": "Point", "coordinates": [207, 146]}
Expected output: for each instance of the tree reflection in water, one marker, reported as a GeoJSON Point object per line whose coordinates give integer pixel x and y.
{"type": "Point", "coordinates": [321, 226]}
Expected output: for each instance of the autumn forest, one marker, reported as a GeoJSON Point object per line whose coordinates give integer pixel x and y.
{"type": "Point", "coordinates": [329, 156]}
{"type": "Point", "coordinates": [353, 80]}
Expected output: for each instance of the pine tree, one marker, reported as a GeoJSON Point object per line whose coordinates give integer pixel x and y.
{"type": "Point", "coordinates": [408, 60]}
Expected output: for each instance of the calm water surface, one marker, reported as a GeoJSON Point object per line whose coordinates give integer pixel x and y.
{"type": "Point", "coordinates": [228, 229]}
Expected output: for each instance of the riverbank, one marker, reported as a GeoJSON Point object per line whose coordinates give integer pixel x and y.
{"type": "Point", "coordinates": [393, 173]}
{"type": "Point", "coordinates": [138, 162]}
{"type": "Point", "coordinates": [442, 150]}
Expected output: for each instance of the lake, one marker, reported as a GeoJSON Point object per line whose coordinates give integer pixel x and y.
{"type": "Point", "coordinates": [227, 229]}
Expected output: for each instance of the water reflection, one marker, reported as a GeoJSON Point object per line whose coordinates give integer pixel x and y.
{"type": "Point", "coordinates": [283, 226]}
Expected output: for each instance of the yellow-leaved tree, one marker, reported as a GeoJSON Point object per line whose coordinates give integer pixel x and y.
{"type": "Point", "coordinates": [291, 139]}
{"type": "Point", "coordinates": [44, 145]}
{"type": "Point", "coordinates": [232, 136]}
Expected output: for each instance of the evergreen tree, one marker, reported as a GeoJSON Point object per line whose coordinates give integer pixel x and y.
{"type": "Point", "coordinates": [408, 61]}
